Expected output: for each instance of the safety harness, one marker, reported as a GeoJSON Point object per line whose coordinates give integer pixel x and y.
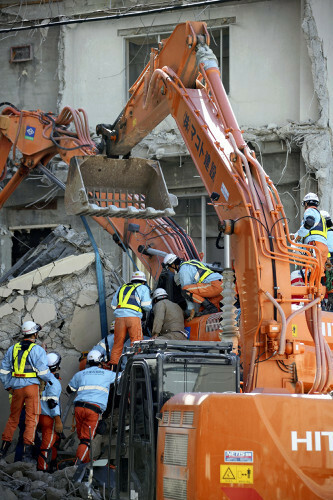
{"type": "Point", "coordinates": [21, 367]}
{"type": "Point", "coordinates": [202, 270]}
{"type": "Point", "coordinates": [127, 298]}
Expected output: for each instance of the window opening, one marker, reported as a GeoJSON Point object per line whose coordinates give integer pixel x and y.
{"type": "Point", "coordinates": [138, 53]}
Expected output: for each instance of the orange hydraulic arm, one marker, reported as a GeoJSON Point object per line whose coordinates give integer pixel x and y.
{"type": "Point", "coordinates": [182, 78]}
{"type": "Point", "coordinates": [39, 136]}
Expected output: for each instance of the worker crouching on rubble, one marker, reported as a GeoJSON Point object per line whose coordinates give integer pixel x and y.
{"type": "Point", "coordinates": [129, 302]}
{"type": "Point", "coordinates": [199, 284]}
{"type": "Point", "coordinates": [168, 317]}
{"type": "Point", "coordinates": [50, 423]}
{"type": "Point", "coordinates": [92, 386]}
{"type": "Point", "coordinates": [24, 364]}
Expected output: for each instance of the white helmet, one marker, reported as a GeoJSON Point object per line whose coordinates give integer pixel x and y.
{"type": "Point", "coordinates": [112, 325]}
{"type": "Point", "coordinates": [30, 328]}
{"type": "Point", "coordinates": [94, 357]}
{"type": "Point", "coordinates": [169, 259]}
{"type": "Point", "coordinates": [53, 360]}
{"type": "Point", "coordinates": [160, 293]}
{"type": "Point", "coordinates": [311, 198]}
{"type": "Point", "coordinates": [325, 214]}
{"type": "Point", "coordinates": [138, 276]}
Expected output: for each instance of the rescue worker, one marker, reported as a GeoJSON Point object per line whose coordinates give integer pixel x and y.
{"type": "Point", "coordinates": [50, 423]}
{"type": "Point", "coordinates": [129, 302]}
{"type": "Point", "coordinates": [329, 263]}
{"type": "Point", "coordinates": [199, 284]}
{"type": "Point", "coordinates": [329, 225]}
{"type": "Point", "coordinates": [168, 317]}
{"type": "Point", "coordinates": [23, 365]}
{"type": "Point", "coordinates": [313, 230]}
{"type": "Point", "coordinates": [105, 345]}
{"type": "Point", "coordinates": [92, 386]}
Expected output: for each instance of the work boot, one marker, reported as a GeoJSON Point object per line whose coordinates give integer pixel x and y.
{"type": "Point", "coordinates": [4, 448]}
{"type": "Point", "coordinates": [209, 308]}
{"type": "Point", "coordinates": [27, 454]}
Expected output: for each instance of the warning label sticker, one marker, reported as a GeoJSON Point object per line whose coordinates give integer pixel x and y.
{"type": "Point", "coordinates": [240, 474]}
{"type": "Point", "coordinates": [238, 456]}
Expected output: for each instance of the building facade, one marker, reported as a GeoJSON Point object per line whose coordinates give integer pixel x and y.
{"type": "Point", "coordinates": [276, 65]}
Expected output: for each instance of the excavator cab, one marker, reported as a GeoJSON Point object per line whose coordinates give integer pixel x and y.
{"type": "Point", "coordinates": [155, 371]}
{"type": "Point", "coordinates": [127, 188]}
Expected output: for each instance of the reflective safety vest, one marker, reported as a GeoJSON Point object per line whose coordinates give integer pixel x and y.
{"type": "Point", "coordinates": [202, 270]}
{"type": "Point", "coordinates": [22, 368]}
{"type": "Point", "coordinates": [329, 253]}
{"type": "Point", "coordinates": [127, 298]}
{"type": "Point", "coordinates": [320, 228]}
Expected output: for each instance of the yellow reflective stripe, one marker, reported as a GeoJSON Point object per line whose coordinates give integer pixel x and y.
{"type": "Point", "coordinates": [321, 232]}
{"type": "Point", "coordinates": [123, 301]}
{"type": "Point", "coordinates": [71, 388]}
{"type": "Point", "coordinates": [199, 265]}
{"type": "Point", "coordinates": [18, 371]}
{"type": "Point", "coordinates": [207, 273]}
{"type": "Point", "coordinates": [93, 388]}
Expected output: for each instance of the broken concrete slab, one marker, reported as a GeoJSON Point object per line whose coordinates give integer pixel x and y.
{"type": "Point", "coordinates": [44, 312]}
{"type": "Point", "coordinates": [31, 301]}
{"type": "Point", "coordinates": [87, 297]}
{"type": "Point", "coordinates": [64, 300]}
{"type": "Point", "coordinates": [5, 310]}
{"type": "Point", "coordinates": [18, 303]}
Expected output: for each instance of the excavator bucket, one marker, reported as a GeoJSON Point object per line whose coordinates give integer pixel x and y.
{"type": "Point", "coordinates": [133, 188]}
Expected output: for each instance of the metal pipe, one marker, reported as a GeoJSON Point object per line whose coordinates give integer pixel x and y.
{"type": "Point", "coordinates": [227, 259]}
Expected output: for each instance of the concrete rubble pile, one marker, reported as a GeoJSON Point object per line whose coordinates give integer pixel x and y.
{"type": "Point", "coordinates": [21, 480]}
{"type": "Point", "coordinates": [62, 297]}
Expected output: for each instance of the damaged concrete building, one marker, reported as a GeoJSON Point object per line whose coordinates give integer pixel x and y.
{"type": "Point", "coordinates": [276, 61]}
{"type": "Point", "coordinates": [276, 65]}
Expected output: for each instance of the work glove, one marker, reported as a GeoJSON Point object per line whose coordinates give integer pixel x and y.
{"type": "Point", "coordinates": [192, 313]}
{"type": "Point", "coordinates": [58, 427]}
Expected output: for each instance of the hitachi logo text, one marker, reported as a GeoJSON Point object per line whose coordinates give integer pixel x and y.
{"type": "Point", "coordinates": [313, 441]}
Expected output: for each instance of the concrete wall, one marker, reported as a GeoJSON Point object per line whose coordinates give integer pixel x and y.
{"type": "Point", "coordinates": [31, 84]}
{"type": "Point", "coordinates": [266, 76]}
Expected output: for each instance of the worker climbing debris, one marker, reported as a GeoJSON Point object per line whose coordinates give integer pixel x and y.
{"type": "Point", "coordinates": [199, 284]}
{"type": "Point", "coordinates": [50, 423]}
{"type": "Point", "coordinates": [22, 368]}
{"type": "Point", "coordinates": [168, 317]}
{"type": "Point", "coordinates": [92, 386]}
{"type": "Point", "coordinates": [129, 302]}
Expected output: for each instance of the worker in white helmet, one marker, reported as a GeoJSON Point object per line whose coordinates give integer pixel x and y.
{"type": "Point", "coordinates": [198, 283]}
{"type": "Point", "coordinates": [313, 230]}
{"type": "Point", "coordinates": [50, 424]}
{"type": "Point", "coordinates": [168, 317]}
{"type": "Point", "coordinates": [129, 302]}
{"type": "Point", "coordinates": [92, 386]}
{"type": "Point", "coordinates": [22, 367]}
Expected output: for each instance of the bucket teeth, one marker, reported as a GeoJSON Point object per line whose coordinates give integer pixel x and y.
{"type": "Point", "coordinates": [133, 188]}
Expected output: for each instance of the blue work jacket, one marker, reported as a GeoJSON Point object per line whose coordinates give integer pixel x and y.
{"type": "Point", "coordinates": [92, 386]}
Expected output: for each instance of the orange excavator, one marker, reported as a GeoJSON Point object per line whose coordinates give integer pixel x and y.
{"type": "Point", "coordinates": [187, 438]}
